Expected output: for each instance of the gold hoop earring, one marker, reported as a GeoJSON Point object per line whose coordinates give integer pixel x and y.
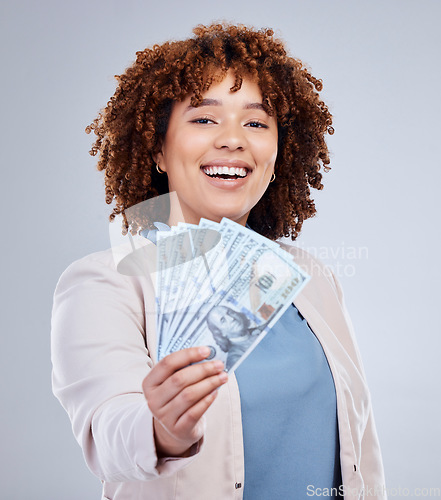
{"type": "Point", "coordinates": [159, 170]}
{"type": "Point", "coordinates": [273, 177]}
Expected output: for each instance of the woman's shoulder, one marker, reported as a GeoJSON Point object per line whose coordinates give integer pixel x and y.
{"type": "Point", "coordinates": [102, 269]}
{"type": "Point", "coordinates": [96, 263]}
{"type": "Point", "coordinates": [100, 258]}
{"type": "Point", "coordinates": [125, 260]}
{"type": "Point", "coordinates": [93, 283]}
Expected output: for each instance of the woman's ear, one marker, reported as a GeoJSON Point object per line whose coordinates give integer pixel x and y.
{"type": "Point", "coordinates": [158, 159]}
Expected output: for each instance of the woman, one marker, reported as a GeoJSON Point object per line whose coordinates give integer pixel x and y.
{"type": "Point", "coordinates": [236, 128]}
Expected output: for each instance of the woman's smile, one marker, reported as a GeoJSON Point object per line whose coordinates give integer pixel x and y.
{"type": "Point", "coordinates": [227, 173]}
{"type": "Point", "coordinates": [220, 155]}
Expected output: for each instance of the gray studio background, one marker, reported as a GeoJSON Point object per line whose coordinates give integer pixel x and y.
{"type": "Point", "coordinates": [378, 221]}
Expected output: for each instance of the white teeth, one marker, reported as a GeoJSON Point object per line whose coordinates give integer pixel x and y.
{"type": "Point", "coordinates": [212, 170]}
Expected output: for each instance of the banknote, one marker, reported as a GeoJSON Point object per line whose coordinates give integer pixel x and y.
{"type": "Point", "coordinates": [183, 268]}
{"type": "Point", "coordinates": [221, 285]}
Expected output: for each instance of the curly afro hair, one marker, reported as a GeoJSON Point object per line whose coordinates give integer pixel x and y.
{"type": "Point", "coordinates": [131, 128]}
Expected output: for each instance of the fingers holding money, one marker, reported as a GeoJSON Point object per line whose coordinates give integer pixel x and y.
{"type": "Point", "coordinates": [174, 362]}
{"type": "Point", "coordinates": [178, 393]}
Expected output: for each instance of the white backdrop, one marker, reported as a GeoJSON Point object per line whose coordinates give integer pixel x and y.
{"type": "Point", "coordinates": [378, 221]}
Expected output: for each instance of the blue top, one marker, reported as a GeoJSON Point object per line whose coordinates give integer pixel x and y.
{"type": "Point", "coordinates": [289, 414]}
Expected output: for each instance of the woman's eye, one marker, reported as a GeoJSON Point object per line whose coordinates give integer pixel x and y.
{"type": "Point", "coordinates": [257, 125]}
{"type": "Point", "coordinates": [203, 121]}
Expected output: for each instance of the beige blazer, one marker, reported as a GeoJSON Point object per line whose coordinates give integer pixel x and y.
{"type": "Point", "coordinates": [103, 345]}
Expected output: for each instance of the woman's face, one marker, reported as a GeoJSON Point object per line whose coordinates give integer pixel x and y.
{"type": "Point", "coordinates": [219, 157]}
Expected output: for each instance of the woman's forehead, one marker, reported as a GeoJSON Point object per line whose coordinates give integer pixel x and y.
{"type": "Point", "coordinates": [215, 77]}
{"type": "Point", "coordinates": [248, 95]}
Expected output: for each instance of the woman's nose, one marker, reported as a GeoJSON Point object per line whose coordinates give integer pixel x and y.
{"type": "Point", "coordinates": [231, 136]}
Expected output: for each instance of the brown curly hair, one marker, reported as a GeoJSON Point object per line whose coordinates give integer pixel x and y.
{"type": "Point", "coordinates": [131, 128]}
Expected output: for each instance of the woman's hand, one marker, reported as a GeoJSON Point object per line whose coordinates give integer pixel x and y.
{"type": "Point", "coordinates": [178, 394]}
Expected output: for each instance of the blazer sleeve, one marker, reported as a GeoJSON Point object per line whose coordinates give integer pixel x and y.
{"type": "Point", "coordinates": [100, 359]}
{"type": "Point", "coordinates": [371, 463]}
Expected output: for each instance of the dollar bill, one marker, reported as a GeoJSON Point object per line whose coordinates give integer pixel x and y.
{"type": "Point", "coordinates": [221, 285]}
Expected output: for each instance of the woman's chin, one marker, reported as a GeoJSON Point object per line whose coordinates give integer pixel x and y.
{"type": "Point", "coordinates": [235, 216]}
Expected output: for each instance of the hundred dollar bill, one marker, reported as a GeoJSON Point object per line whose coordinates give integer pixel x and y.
{"type": "Point", "coordinates": [182, 269]}
{"type": "Point", "coordinates": [234, 254]}
{"type": "Point", "coordinates": [257, 282]}
{"type": "Point", "coordinates": [181, 252]}
{"type": "Point", "coordinates": [197, 281]}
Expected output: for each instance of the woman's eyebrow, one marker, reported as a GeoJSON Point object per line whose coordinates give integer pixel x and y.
{"type": "Point", "coordinates": [255, 105]}
{"type": "Point", "coordinates": [216, 102]}
{"type": "Point", "coordinates": [204, 102]}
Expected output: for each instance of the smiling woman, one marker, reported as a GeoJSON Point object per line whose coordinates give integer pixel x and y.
{"type": "Point", "coordinates": [197, 82]}
{"type": "Point", "coordinates": [219, 156]}
{"type": "Point", "coordinates": [236, 128]}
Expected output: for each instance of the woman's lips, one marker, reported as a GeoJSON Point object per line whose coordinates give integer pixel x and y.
{"type": "Point", "coordinates": [226, 173]}
{"type": "Point", "coordinates": [231, 182]}
{"type": "Point", "coordinates": [224, 170]}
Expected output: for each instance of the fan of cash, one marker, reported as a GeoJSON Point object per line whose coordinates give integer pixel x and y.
{"type": "Point", "coordinates": [221, 285]}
